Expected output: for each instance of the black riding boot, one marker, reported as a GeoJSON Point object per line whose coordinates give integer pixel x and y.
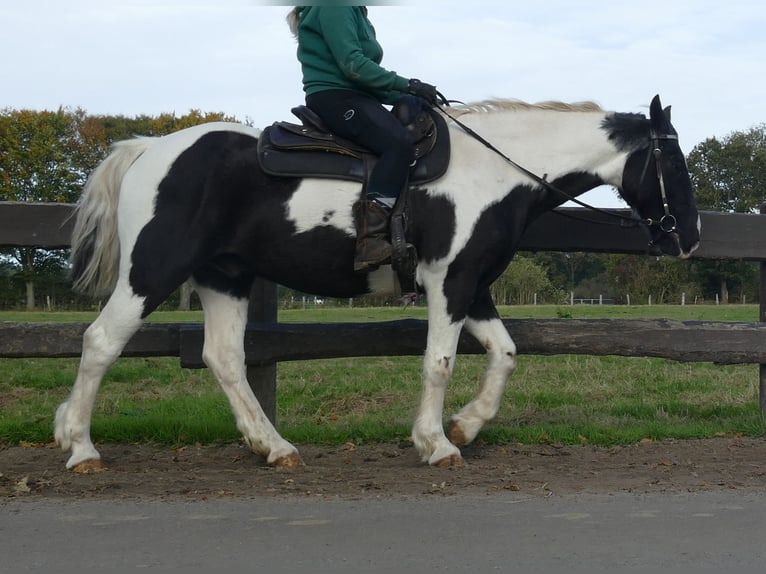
{"type": "Point", "coordinates": [372, 246]}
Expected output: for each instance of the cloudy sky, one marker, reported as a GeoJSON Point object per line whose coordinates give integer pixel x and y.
{"type": "Point", "coordinates": [130, 57]}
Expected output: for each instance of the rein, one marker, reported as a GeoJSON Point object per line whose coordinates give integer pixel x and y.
{"type": "Point", "coordinates": [667, 223]}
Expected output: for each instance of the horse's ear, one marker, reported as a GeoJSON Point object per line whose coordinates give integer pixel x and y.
{"type": "Point", "coordinates": [660, 119]}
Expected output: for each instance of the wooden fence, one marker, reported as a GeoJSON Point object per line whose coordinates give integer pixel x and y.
{"type": "Point", "coordinates": [724, 236]}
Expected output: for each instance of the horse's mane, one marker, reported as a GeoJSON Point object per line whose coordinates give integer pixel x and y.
{"type": "Point", "coordinates": [628, 130]}
{"type": "Point", "coordinates": [491, 106]}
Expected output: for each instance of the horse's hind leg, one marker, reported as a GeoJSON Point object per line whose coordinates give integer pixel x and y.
{"type": "Point", "coordinates": [223, 353]}
{"type": "Point", "coordinates": [102, 344]}
{"type": "Point", "coordinates": [484, 324]}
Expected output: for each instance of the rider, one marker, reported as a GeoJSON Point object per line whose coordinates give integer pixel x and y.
{"type": "Point", "coordinates": [346, 87]}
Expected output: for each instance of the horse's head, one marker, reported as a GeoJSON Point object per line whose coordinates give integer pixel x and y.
{"type": "Point", "coordinates": [656, 184]}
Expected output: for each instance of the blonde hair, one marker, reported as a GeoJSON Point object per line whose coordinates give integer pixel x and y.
{"type": "Point", "coordinates": [292, 20]}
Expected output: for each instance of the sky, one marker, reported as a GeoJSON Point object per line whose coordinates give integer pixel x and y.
{"type": "Point", "coordinates": [140, 57]}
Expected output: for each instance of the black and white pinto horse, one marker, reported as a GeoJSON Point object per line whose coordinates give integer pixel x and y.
{"type": "Point", "coordinates": [195, 204]}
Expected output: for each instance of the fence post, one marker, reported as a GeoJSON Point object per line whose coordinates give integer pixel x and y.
{"type": "Point", "coordinates": [263, 380]}
{"type": "Point", "coordinates": [762, 318]}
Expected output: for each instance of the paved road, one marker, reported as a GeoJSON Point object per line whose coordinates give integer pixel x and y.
{"type": "Point", "coordinates": [721, 532]}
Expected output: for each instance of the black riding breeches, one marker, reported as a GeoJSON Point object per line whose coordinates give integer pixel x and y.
{"type": "Point", "coordinates": [363, 120]}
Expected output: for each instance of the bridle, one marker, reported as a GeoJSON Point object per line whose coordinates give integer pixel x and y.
{"type": "Point", "coordinates": [667, 223]}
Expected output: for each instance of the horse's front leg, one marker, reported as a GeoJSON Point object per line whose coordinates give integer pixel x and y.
{"type": "Point", "coordinates": [441, 350]}
{"type": "Point", "coordinates": [484, 324]}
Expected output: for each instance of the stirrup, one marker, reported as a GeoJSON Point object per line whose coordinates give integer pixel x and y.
{"type": "Point", "coordinates": [404, 256]}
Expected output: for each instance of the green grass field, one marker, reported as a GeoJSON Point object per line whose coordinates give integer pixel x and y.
{"type": "Point", "coordinates": [567, 399]}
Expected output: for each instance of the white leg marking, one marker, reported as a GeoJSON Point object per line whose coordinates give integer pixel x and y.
{"type": "Point", "coordinates": [224, 354]}
{"type": "Point", "coordinates": [501, 352]}
{"type": "Point", "coordinates": [428, 430]}
{"type": "Point", "coordinates": [102, 344]}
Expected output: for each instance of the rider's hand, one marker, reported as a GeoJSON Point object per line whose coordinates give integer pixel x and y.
{"type": "Point", "coordinates": [423, 90]}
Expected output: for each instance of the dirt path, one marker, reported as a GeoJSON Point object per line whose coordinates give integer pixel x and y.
{"type": "Point", "coordinates": [193, 472]}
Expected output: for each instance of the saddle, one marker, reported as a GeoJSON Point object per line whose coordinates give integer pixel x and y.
{"type": "Point", "coordinates": [309, 149]}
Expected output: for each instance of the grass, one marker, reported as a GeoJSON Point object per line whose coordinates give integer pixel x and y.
{"type": "Point", "coordinates": [567, 399]}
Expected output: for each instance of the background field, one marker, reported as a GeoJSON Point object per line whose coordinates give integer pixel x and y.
{"type": "Point", "coordinates": [565, 399]}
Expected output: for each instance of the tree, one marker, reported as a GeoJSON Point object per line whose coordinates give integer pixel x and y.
{"type": "Point", "coordinates": [44, 157]}
{"type": "Point", "coordinates": [521, 281]}
{"type": "Point", "coordinates": [640, 276]}
{"type": "Point", "coordinates": [119, 128]}
{"type": "Point", "coordinates": [7, 292]}
{"type": "Point", "coordinates": [729, 175]}
{"type": "Point", "coordinates": [573, 271]}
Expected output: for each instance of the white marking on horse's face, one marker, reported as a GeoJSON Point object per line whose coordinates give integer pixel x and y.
{"type": "Point", "coordinates": [321, 202]}
{"type": "Point", "coordinates": [686, 255]}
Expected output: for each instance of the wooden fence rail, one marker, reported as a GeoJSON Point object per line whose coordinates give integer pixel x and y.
{"type": "Point", "coordinates": [724, 236]}
{"type": "Point", "coordinates": [690, 341]}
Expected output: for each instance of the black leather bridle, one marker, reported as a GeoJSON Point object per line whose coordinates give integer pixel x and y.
{"type": "Point", "coordinates": [667, 223]}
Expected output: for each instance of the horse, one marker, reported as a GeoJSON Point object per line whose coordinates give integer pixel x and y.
{"type": "Point", "coordinates": [196, 204]}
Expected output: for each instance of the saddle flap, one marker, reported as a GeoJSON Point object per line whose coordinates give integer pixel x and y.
{"type": "Point", "coordinates": [286, 135]}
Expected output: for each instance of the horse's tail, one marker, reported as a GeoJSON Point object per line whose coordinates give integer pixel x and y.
{"type": "Point", "coordinates": [95, 254]}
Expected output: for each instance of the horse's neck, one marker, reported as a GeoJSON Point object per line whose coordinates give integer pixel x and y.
{"type": "Point", "coordinates": [553, 144]}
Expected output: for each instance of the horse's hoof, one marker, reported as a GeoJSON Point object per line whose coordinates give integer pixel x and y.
{"type": "Point", "coordinates": [292, 460]}
{"type": "Point", "coordinates": [456, 435]}
{"type": "Point", "coordinates": [91, 466]}
{"type": "Point", "coordinates": [452, 461]}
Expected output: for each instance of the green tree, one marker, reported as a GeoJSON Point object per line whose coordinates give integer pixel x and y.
{"type": "Point", "coordinates": [118, 128]}
{"type": "Point", "coordinates": [638, 277]}
{"type": "Point", "coordinates": [577, 272]}
{"type": "Point", "coordinates": [44, 157]}
{"type": "Point", "coordinates": [7, 292]}
{"type": "Point", "coordinates": [729, 175]}
{"type": "Point", "coordinates": [521, 281]}
{"type": "Point", "coordinates": [39, 155]}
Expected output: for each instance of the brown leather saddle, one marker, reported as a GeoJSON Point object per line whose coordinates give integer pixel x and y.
{"type": "Point", "coordinates": [309, 149]}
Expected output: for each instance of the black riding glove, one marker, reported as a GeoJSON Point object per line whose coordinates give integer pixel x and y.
{"type": "Point", "coordinates": [423, 90]}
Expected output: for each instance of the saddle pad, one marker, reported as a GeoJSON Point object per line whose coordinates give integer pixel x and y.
{"type": "Point", "coordinates": [306, 162]}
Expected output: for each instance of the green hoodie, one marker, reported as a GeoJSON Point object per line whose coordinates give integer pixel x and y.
{"type": "Point", "coordinates": [337, 49]}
